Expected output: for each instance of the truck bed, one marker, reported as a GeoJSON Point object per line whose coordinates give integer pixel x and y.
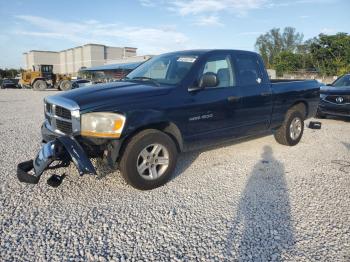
{"type": "Point", "coordinates": [291, 91]}
{"type": "Point", "coordinates": [273, 81]}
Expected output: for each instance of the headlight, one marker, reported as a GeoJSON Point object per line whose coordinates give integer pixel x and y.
{"type": "Point", "coordinates": [104, 125]}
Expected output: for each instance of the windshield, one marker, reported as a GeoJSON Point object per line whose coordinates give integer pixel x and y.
{"type": "Point", "coordinates": [342, 81]}
{"type": "Point", "coordinates": [164, 69]}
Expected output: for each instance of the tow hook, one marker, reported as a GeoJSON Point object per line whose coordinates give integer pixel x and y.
{"type": "Point", "coordinates": [63, 149]}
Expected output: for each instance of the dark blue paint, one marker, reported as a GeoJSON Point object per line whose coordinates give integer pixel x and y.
{"type": "Point", "coordinates": [258, 107]}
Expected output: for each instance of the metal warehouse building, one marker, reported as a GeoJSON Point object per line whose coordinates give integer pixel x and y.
{"type": "Point", "coordinates": [70, 61]}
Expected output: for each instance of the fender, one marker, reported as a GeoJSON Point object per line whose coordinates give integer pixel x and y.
{"type": "Point", "coordinates": [140, 120]}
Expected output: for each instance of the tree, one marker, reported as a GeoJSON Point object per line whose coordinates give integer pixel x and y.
{"type": "Point", "coordinates": [274, 42]}
{"type": "Point", "coordinates": [286, 52]}
{"type": "Point", "coordinates": [331, 53]}
{"type": "Point", "coordinates": [9, 73]}
{"type": "Point", "coordinates": [286, 61]}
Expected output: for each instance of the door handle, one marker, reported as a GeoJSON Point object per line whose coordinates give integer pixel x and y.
{"type": "Point", "coordinates": [265, 94]}
{"type": "Point", "coordinates": [233, 98]}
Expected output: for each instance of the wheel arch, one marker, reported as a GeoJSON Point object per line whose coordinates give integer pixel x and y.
{"type": "Point", "coordinates": [169, 128]}
{"type": "Point", "coordinates": [304, 104]}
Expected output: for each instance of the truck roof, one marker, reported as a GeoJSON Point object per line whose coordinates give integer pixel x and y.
{"type": "Point", "coordinates": [206, 51]}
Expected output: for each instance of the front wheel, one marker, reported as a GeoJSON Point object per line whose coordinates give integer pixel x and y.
{"type": "Point", "coordinates": [149, 159]}
{"type": "Point", "coordinates": [292, 128]}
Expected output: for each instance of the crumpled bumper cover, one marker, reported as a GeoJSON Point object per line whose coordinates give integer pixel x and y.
{"type": "Point", "coordinates": [64, 149]}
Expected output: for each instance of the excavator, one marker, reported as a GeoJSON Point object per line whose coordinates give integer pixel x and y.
{"type": "Point", "coordinates": [41, 77]}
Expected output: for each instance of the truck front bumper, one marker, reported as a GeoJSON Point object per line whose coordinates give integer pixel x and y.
{"type": "Point", "coordinates": [64, 148]}
{"type": "Point", "coordinates": [327, 108]}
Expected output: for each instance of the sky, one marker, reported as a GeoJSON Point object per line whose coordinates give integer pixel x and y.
{"type": "Point", "coordinates": [158, 26]}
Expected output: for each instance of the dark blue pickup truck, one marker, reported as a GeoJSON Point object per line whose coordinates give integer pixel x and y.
{"type": "Point", "coordinates": [172, 103]}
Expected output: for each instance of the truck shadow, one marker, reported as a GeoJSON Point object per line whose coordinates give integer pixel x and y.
{"type": "Point", "coordinates": [262, 229]}
{"type": "Point", "coordinates": [186, 159]}
{"type": "Point", "coordinates": [347, 145]}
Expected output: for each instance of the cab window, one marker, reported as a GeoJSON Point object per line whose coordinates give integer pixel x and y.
{"type": "Point", "coordinates": [222, 67]}
{"type": "Point", "coordinates": [248, 69]}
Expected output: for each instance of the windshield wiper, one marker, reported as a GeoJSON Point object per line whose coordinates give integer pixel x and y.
{"type": "Point", "coordinates": [145, 78]}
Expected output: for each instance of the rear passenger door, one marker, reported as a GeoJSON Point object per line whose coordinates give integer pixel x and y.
{"type": "Point", "coordinates": [256, 93]}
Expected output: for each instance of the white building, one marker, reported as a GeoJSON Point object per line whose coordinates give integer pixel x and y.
{"type": "Point", "coordinates": [70, 61]}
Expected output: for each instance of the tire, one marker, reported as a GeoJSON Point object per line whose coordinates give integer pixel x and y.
{"type": "Point", "coordinates": [65, 85]}
{"type": "Point", "coordinates": [133, 159]}
{"type": "Point", "coordinates": [295, 116]}
{"type": "Point", "coordinates": [39, 85]}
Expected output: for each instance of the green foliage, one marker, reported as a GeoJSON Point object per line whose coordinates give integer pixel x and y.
{"type": "Point", "coordinates": [274, 42]}
{"type": "Point", "coordinates": [9, 73]}
{"type": "Point", "coordinates": [287, 61]}
{"type": "Point", "coordinates": [331, 53]}
{"type": "Point", "coordinates": [285, 52]}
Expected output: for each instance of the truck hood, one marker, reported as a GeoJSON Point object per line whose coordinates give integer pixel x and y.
{"type": "Point", "coordinates": [116, 93]}
{"type": "Point", "coordinates": [331, 90]}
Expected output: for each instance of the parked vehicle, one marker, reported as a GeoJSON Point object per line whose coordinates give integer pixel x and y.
{"type": "Point", "coordinates": [8, 83]}
{"type": "Point", "coordinates": [335, 98]}
{"type": "Point", "coordinates": [80, 83]}
{"type": "Point", "coordinates": [172, 103]}
{"type": "Point", "coordinates": [42, 77]}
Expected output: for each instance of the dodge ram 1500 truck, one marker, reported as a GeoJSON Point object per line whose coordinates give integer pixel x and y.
{"type": "Point", "coordinates": [172, 103]}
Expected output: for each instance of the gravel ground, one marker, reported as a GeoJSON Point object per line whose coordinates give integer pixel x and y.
{"type": "Point", "coordinates": [254, 200]}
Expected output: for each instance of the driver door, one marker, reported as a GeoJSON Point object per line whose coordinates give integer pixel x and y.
{"type": "Point", "coordinates": [213, 112]}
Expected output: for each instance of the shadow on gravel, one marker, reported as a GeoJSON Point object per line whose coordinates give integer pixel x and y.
{"type": "Point", "coordinates": [185, 160]}
{"type": "Point", "coordinates": [347, 145]}
{"type": "Point", "coordinates": [344, 165]}
{"type": "Point", "coordinates": [262, 229]}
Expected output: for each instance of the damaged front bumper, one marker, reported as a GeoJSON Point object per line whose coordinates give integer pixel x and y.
{"type": "Point", "coordinates": [63, 149]}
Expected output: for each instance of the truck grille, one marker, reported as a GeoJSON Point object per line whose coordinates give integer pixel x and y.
{"type": "Point", "coordinates": [333, 99]}
{"type": "Point", "coordinates": [64, 127]}
{"type": "Point", "coordinates": [63, 112]}
{"type": "Point", "coordinates": [59, 118]}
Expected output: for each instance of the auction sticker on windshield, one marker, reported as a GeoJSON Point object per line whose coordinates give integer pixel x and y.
{"type": "Point", "coordinates": [187, 59]}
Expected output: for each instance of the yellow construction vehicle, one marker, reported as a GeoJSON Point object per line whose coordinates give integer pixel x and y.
{"type": "Point", "coordinates": [42, 77]}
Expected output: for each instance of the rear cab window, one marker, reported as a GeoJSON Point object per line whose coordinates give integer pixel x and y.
{"type": "Point", "coordinates": [248, 69]}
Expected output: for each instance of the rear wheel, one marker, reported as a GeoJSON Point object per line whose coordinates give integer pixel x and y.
{"type": "Point", "coordinates": [149, 159]}
{"type": "Point", "coordinates": [65, 85]}
{"type": "Point", "coordinates": [40, 85]}
{"type": "Point", "coordinates": [292, 128]}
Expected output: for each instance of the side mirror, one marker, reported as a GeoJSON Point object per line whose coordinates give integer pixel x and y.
{"type": "Point", "coordinates": [209, 79]}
